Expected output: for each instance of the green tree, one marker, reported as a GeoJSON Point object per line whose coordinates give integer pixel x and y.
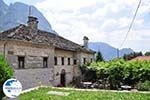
{"type": "Point", "coordinates": [119, 72]}
{"type": "Point", "coordinates": [125, 57]}
{"type": "Point", "coordinates": [140, 54]}
{"type": "Point", "coordinates": [132, 55]}
{"type": "Point", "coordinates": [147, 53]}
{"type": "Point", "coordinates": [6, 72]}
{"type": "Point", "coordinates": [99, 56]}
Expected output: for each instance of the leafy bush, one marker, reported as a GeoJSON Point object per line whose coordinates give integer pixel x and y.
{"type": "Point", "coordinates": [120, 72]}
{"type": "Point", "coordinates": [144, 86]}
{"type": "Point", "coordinates": [88, 74]}
{"type": "Point", "coordinates": [6, 72]}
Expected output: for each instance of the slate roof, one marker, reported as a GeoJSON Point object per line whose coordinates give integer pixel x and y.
{"type": "Point", "coordinates": [23, 33]}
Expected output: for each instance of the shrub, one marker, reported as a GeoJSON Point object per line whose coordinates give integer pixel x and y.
{"type": "Point", "coordinates": [120, 72]}
{"type": "Point", "coordinates": [144, 86]}
{"type": "Point", "coordinates": [6, 72]}
{"type": "Point", "coordinates": [88, 74]}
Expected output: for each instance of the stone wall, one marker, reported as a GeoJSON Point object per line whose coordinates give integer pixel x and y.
{"type": "Point", "coordinates": [33, 74]}
{"type": "Point", "coordinates": [57, 73]}
{"type": "Point", "coordinates": [34, 77]}
{"type": "Point", "coordinates": [68, 68]}
{"type": "Point", "coordinates": [71, 70]}
{"type": "Point", "coordinates": [2, 47]}
{"type": "Point", "coordinates": [32, 53]}
{"type": "Point", "coordinates": [88, 56]}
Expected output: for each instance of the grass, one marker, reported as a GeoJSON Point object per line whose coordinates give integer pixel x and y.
{"type": "Point", "coordinates": [41, 94]}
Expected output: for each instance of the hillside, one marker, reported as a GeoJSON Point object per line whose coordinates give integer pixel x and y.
{"type": "Point", "coordinates": [108, 51]}
{"type": "Point", "coordinates": [17, 13]}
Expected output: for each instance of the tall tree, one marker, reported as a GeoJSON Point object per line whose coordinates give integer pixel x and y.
{"type": "Point", "coordinates": [132, 55]}
{"type": "Point", "coordinates": [99, 56]}
{"type": "Point", "coordinates": [125, 57]}
{"type": "Point", "coordinates": [147, 53]}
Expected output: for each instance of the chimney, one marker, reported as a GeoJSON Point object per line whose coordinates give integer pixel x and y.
{"type": "Point", "coordinates": [33, 24]}
{"type": "Point", "coordinates": [85, 41]}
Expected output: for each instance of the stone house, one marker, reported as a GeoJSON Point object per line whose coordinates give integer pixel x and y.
{"type": "Point", "coordinates": [42, 58]}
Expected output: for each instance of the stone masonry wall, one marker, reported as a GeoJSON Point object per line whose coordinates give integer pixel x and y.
{"type": "Point", "coordinates": [88, 57]}
{"type": "Point", "coordinates": [33, 54]}
{"type": "Point", "coordinates": [34, 74]}
{"type": "Point", "coordinates": [34, 77]}
{"type": "Point", "coordinates": [68, 68]}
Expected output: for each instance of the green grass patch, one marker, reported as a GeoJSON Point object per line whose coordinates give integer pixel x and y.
{"type": "Point", "coordinates": [41, 94]}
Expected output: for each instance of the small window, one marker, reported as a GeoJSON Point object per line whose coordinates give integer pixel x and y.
{"type": "Point", "coordinates": [91, 60]}
{"type": "Point", "coordinates": [74, 61]}
{"type": "Point", "coordinates": [84, 60]}
{"type": "Point", "coordinates": [20, 62]}
{"type": "Point", "coordinates": [55, 60]}
{"type": "Point", "coordinates": [45, 62]}
{"type": "Point", "coordinates": [62, 60]}
{"type": "Point", "coordinates": [68, 61]}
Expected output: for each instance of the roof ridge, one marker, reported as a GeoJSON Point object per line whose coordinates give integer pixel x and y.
{"type": "Point", "coordinates": [22, 32]}
{"type": "Point", "coordinates": [14, 28]}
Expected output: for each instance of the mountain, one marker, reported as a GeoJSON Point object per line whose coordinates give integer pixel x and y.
{"type": "Point", "coordinates": [125, 51]}
{"type": "Point", "coordinates": [3, 8]}
{"type": "Point", "coordinates": [108, 51]}
{"type": "Point", "coordinates": [18, 13]}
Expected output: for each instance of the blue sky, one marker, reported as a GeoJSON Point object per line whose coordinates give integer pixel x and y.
{"type": "Point", "coordinates": [100, 20]}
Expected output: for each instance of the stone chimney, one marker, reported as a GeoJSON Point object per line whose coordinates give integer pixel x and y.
{"type": "Point", "coordinates": [85, 41]}
{"type": "Point", "coordinates": [33, 24]}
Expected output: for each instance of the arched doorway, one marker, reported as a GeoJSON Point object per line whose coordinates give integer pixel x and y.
{"type": "Point", "coordinates": [63, 77]}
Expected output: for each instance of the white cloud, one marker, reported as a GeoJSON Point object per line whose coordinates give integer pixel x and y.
{"type": "Point", "coordinates": [59, 5]}
{"type": "Point", "coordinates": [144, 9]}
{"type": "Point", "coordinates": [108, 22]}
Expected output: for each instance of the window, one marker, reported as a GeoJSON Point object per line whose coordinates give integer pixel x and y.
{"type": "Point", "coordinates": [62, 60]}
{"type": "Point", "coordinates": [20, 62]}
{"type": "Point", "coordinates": [74, 61]}
{"type": "Point", "coordinates": [68, 61]}
{"type": "Point", "coordinates": [91, 60]}
{"type": "Point", "coordinates": [55, 60]}
{"type": "Point", "coordinates": [84, 60]}
{"type": "Point", "coordinates": [45, 61]}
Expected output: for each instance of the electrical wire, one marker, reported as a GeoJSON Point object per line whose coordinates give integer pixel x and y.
{"type": "Point", "coordinates": [131, 24]}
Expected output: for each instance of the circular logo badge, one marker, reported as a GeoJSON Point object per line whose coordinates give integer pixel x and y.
{"type": "Point", "coordinates": [12, 88]}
